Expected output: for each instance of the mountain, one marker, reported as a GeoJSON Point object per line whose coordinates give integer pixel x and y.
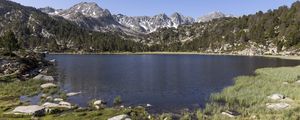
{"type": "Point", "coordinates": [36, 30]}
{"type": "Point", "coordinates": [91, 16]}
{"type": "Point", "coordinates": [211, 16]}
{"type": "Point", "coordinates": [148, 24]}
{"type": "Point", "coordinates": [50, 10]}
{"type": "Point", "coordinates": [273, 32]}
{"type": "Point", "coordinates": [88, 15]}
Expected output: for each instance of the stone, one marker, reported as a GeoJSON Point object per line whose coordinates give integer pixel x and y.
{"type": "Point", "coordinates": [285, 83]}
{"type": "Point", "coordinates": [73, 94]}
{"type": "Point", "coordinates": [58, 99]}
{"type": "Point", "coordinates": [277, 106]}
{"type": "Point", "coordinates": [49, 98]}
{"type": "Point", "coordinates": [230, 113]}
{"type": "Point", "coordinates": [276, 96]}
{"type": "Point", "coordinates": [50, 105]}
{"type": "Point", "coordinates": [65, 104]}
{"type": "Point", "coordinates": [44, 95]}
{"type": "Point", "coordinates": [52, 61]}
{"type": "Point", "coordinates": [148, 105]}
{"type": "Point", "coordinates": [298, 82]}
{"type": "Point", "coordinates": [97, 107]}
{"type": "Point", "coordinates": [43, 77]}
{"type": "Point", "coordinates": [29, 110]}
{"type": "Point", "coordinates": [120, 117]}
{"type": "Point", "coordinates": [98, 102]}
{"type": "Point", "coordinates": [48, 85]}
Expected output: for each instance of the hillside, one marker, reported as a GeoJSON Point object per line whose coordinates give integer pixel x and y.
{"type": "Point", "coordinates": [36, 30]}
{"type": "Point", "coordinates": [273, 32]}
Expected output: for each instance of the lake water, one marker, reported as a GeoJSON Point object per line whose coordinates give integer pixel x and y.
{"type": "Point", "coordinates": [168, 82]}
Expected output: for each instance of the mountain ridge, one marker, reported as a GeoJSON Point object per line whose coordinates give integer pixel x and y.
{"type": "Point", "coordinates": [92, 16]}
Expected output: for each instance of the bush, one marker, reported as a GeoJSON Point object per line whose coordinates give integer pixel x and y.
{"type": "Point", "coordinates": [117, 100]}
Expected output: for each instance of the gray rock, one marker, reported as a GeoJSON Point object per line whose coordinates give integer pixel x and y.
{"type": "Point", "coordinates": [65, 104]}
{"type": "Point", "coordinates": [230, 113]}
{"type": "Point", "coordinates": [276, 96]}
{"type": "Point", "coordinates": [98, 102]}
{"type": "Point", "coordinates": [43, 77]}
{"type": "Point", "coordinates": [148, 105]}
{"type": "Point", "coordinates": [50, 105]}
{"type": "Point", "coordinates": [29, 110]}
{"type": "Point", "coordinates": [277, 106]}
{"type": "Point", "coordinates": [48, 85]}
{"type": "Point", "coordinates": [52, 61]}
{"type": "Point", "coordinates": [285, 83]}
{"type": "Point", "coordinates": [73, 93]}
{"type": "Point", "coordinates": [298, 82]}
{"type": "Point", "coordinates": [120, 117]}
{"type": "Point", "coordinates": [58, 99]}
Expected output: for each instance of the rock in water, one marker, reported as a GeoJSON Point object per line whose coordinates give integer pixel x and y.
{"type": "Point", "coordinates": [43, 77]}
{"type": "Point", "coordinates": [98, 102]}
{"type": "Point", "coordinates": [58, 99]}
{"type": "Point", "coordinates": [48, 85]}
{"type": "Point", "coordinates": [29, 110]}
{"type": "Point", "coordinates": [73, 93]}
{"type": "Point", "coordinates": [120, 117]}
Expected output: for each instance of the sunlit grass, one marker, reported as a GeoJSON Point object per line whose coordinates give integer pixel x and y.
{"type": "Point", "coordinates": [249, 95]}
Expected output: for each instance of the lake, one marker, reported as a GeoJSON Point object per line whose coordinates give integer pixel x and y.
{"type": "Point", "coordinates": [167, 82]}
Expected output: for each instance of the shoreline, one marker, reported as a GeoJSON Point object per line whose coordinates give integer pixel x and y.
{"type": "Point", "coordinates": [287, 57]}
{"type": "Point", "coordinates": [212, 110]}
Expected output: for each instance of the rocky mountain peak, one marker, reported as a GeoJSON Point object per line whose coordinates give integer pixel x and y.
{"type": "Point", "coordinates": [88, 9]}
{"type": "Point", "coordinates": [211, 16]}
{"type": "Point", "coordinates": [179, 19]}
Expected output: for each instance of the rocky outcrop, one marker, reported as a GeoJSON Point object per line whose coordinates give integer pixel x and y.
{"type": "Point", "coordinates": [44, 78]}
{"type": "Point", "coordinates": [120, 117]}
{"type": "Point", "coordinates": [29, 110]}
{"type": "Point", "coordinates": [48, 85]}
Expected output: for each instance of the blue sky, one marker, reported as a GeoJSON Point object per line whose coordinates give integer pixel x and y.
{"type": "Point", "coordinates": [193, 8]}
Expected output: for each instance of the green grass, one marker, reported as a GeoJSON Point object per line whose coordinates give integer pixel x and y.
{"type": "Point", "coordinates": [10, 93]}
{"type": "Point", "coordinates": [102, 114]}
{"type": "Point", "coordinates": [249, 95]}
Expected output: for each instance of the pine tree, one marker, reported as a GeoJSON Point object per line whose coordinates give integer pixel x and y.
{"type": "Point", "coordinates": [9, 42]}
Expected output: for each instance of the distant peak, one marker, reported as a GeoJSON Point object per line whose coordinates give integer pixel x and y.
{"type": "Point", "coordinates": [88, 3]}
{"type": "Point", "coordinates": [211, 16]}
{"type": "Point", "coordinates": [89, 9]}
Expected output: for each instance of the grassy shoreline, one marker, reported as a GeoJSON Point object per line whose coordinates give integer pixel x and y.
{"type": "Point", "coordinates": [249, 95]}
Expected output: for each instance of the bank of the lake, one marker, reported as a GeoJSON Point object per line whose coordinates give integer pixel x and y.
{"type": "Point", "coordinates": [249, 97]}
{"type": "Point", "coordinates": [289, 57]}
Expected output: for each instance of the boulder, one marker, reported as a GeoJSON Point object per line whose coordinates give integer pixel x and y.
{"type": "Point", "coordinates": [148, 105]}
{"type": "Point", "coordinates": [276, 96]}
{"type": "Point", "coordinates": [29, 110]}
{"type": "Point", "coordinates": [43, 77]}
{"type": "Point", "coordinates": [285, 83]}
{"type": "Point", "coordinates": [49, 98]}
{"type": "Point", "coordinates": [48, 85]}
{"type": "Point", "coordinates": [277, 106]}
{"type": "Point", "coordinates": [52, 61]}
{"type": "Point", "coordinates": [298, 82]}
{"type": "Point", "coordinates": [98, 102]}
{"type": "Point", "coordinates": [50, 105]}
{"type": "Point", "coordinates": [65, 104]}
{"type": "Point", "coordinates": [230, 113]}
{"type": "Point", "coordinates": [73, 94]}
{"type": "Point", "coordinates": [58, 99]}
{"type": "Point", "coordinates": [120, 117]}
